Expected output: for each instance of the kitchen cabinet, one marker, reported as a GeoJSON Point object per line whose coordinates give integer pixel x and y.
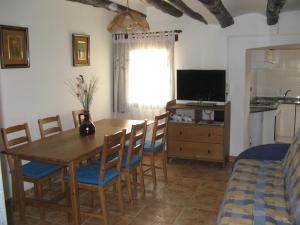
{"type": "Point", "coordinates": [255, 129]}
{"type": "Point", "coordinates": [262, 127]}
{"type": "Point", "coordinates": [285, 123]}
{"type": "Point", "coordinates": [297, 118]}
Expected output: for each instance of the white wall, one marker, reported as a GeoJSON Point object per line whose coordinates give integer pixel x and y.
{"type": "Point", "coordinates": [39, 91]}
{"type": "Point", "coordinates": [210, 47]}
{"type": "Point", "coordinates": [281, 72]}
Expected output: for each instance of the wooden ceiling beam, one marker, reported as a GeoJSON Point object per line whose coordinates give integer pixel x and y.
{"type": "Point", "coordinates": [273, 9]}
{"type": "Point", "coordinates": [165, 7]}
{"type": "Point", "coordinates": [107, 4]}
{"type": "Point", "coordinates": [217, 8]}
{"type": "Point", "coordinates": [188, 11]}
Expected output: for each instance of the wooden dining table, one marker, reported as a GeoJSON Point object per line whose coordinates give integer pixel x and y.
{"type": "Point", "coordinates": [67, 148]}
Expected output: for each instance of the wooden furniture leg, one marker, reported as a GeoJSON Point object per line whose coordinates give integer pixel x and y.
{"type": "Point", "coordinates": [103, 205]}
{"type": "Point", "coordinates": [142, 183]}
{"type": "Point", "coordinates": [39, 192]}
{"type": "Point", "coordinates": [164, 162]}
{"type": "Point", "coordinates": [152, 161]}
{"type": "Point", "coordinates": [19, 186]}
{"type": "Point", "coordinates": [120, 195]}
{"type": "Point", "coordinates": [14, 192]}
{"type": "Point", "coordinates": [129, 187]}
{"type": "Point", "coordinates": [74, 194]}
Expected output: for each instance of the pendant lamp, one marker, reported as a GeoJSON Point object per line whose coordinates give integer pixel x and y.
{"type": "Point", "coordinates": [128, 22]}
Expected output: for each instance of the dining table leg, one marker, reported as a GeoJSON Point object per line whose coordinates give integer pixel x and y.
{"type": "Point", "coordinates": [19, 185]}
{"type": "Point", "coordinates": [74, 194]}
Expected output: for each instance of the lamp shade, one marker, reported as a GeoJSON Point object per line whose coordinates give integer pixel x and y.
{"type": "Point", "coordinates": [128, 22]}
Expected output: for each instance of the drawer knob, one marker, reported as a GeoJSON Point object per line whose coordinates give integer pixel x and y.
{"type": "Point", "coordinates": [180, 132]}
{"type": "Point", "coordinates": [208, 151]}
{"type": "Point", "coordinates": [209, 134]}
{"type": "Point", "coordinates": [180, 149]}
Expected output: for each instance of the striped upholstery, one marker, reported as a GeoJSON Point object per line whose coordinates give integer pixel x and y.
{"type": "Point", "coordinates": [291, 171]}
{"type": "Point", "coordinates": [264, 192]}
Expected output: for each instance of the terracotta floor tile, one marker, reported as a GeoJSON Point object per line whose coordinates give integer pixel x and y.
{"type": "Point", "coordinates": [191, 196]}
{"type": "Point", "coordinates": [195, 216]}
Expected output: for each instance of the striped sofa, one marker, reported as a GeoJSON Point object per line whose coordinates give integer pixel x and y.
{"type": "Point", "coordinates": [264, 191]}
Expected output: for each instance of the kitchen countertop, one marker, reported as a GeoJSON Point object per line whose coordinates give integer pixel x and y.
{"type": "Point", "coordinates": [263, 104]}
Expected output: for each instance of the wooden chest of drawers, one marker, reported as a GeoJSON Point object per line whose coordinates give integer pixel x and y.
{"type": "Point", "coordinates": [209, 142]}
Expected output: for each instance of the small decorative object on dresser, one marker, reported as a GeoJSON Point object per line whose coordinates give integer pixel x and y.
{"type": "Point", "coordinates": [84, 90]}
{"type": "Point", "coordinates": [81, 49]}
{"type": "Point", "coordinates": [14, 47]}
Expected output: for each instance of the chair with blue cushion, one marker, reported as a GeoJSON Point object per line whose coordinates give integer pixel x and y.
{"type": "Point", "coordinates": [34, 172]}
{"type": "Point", "coordinates": [157, 146]}
{"type": "Point", "coordinates": [133, 157]}
{"type": "Point", "coordinates": [99, 176]}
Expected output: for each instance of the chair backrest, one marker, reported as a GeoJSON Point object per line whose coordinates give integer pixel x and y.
{"type": "Point", "coordinates": [160, 129]}
{"type": "Point", "coordinates": [17, 138]}
{"type": "Point", "coordinates": [136, 141]}
{"type": "Point", "coordinates": [75, 115]}
{"type": "Point", "coordinates": [113, 146]}
{"type": "Point", "coordinates": [44, 123]}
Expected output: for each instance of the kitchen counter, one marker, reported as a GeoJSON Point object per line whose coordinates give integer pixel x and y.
{"type": "Point", "coordinates": [260, 109]}
{"type": "Point", "coordinates": [263, 104]}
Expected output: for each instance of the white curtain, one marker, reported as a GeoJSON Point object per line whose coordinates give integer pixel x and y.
{"type": "Point", "coordinates": [143, 73]}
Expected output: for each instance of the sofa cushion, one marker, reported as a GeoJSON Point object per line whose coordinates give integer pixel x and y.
{"type": "Point", "coordinates": [255, 195]}
{"type": "Point", "coordinates": [291, 172]}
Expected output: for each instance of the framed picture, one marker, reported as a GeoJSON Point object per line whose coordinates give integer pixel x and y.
{"type": "Point", "coordinates": [14, 47]}
{"type": "Point", "coordinates": [81, 49]}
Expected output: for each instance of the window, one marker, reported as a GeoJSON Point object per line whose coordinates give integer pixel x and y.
{"type": "Point", "coordinates": [149, 77]}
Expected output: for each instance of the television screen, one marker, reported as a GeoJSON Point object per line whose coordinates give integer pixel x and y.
{"type": "Point", "coordinates": [201, 85]}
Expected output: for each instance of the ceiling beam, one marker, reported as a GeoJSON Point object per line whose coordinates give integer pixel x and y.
{"type": "Point", "coordinates": [188, 11]}
{"type": "Point", "coordinates": [273, 9]}
{"type": "Point", "coordinates": [165, 7]}
{"type": "Point", "coordinates": [107, 4]}
{"type": "Point", "coordinates": [217, 8]}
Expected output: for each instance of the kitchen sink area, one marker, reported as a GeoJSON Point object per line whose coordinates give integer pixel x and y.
{"type": "Point", "coordinates": [273, 119]}
{"type": "Point", "coordinates": [261, 104]}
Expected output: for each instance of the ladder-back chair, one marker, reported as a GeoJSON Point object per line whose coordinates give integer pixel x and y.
{"type": "Point", "coordinates": [34, 172]}
{"type": "Point", "coordinates": [133, 157]}
{"type": "Point", "coordinates": [157, 146]}
{"type": "Point", "coordinates": [99, 176]}
{"type": "Point", "coordinates": [46, 131]}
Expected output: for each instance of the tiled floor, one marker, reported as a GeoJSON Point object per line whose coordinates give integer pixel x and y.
{"type": "Point", "coordinates": [191, 196]}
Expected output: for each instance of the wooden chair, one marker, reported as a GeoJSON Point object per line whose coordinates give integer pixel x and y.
{"type": "Point", "coordinates": [34, 172]}
{"type": "Point", "coordinates": [157, 146]}
{"type": "Point", "coordinates": [44, 131]}
{"type": "Point", "coordinates": [99, 176]}
{"type": "Point", "coordinates": [75, 117]}
{"type": "Point", "coordinates": [132, 160]}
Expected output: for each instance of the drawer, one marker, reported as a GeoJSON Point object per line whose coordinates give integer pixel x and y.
{"type": "Point", "coordinates": [195, 133]}
{"type": "Point", "coordinates": [196, 150]}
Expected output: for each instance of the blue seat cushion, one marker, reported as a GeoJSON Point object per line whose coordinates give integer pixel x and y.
{"type": "Point", "coordinates": [134, 160]}
{"type": "Point", "coordinates": [37, 170]}
{"type": "Point", "coordinates": [89, 174]}
{"type": "Point", "coordinates": [157, 146]}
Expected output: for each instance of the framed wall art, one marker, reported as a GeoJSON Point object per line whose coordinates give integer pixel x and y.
{"type": "Point", "coordinates": [81, 49]}
{"type": "Point", "coordinates": [14, 47]}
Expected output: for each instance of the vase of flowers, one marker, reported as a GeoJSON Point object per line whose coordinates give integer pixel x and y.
{"type": "Point", "coordinates": [84, 90]}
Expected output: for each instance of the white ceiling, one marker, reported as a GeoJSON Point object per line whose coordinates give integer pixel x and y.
{"type": "Point", "coordinates": [235, 7]}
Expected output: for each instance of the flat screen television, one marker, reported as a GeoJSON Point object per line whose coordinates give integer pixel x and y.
{"type": "Point", "coordinates": [201, 85]}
